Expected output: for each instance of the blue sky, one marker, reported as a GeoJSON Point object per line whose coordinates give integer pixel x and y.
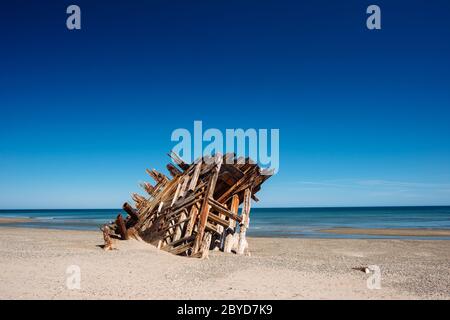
{"type": "Point", "coordinates": [363, 115]}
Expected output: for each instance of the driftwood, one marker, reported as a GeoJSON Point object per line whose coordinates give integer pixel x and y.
{"type": "Point", "coordinates": [196, 210]}
{"type": "Point", "coordinates": [107, 238]}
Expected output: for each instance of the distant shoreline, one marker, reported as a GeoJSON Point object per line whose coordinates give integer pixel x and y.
{"type": "Point", "coordinates": [14, 220]}
{"type": "Point", "coordinates": [406, 232]}
{"type": "Point", "coordinates": [256, 207]}
{"type": "Point", "coordinates": [394, 232]}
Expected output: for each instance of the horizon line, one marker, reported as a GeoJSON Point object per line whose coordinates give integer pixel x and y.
{"type": "Point", "coordinates": [287, 207]}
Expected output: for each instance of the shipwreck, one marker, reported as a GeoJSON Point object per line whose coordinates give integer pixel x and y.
{"type": "Point", "coordinates": [196, 210]}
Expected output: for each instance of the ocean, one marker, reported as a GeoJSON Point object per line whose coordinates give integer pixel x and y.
{"type": "Point", "coordinates": [268, 222]}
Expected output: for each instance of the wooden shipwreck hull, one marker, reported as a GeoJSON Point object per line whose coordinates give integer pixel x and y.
{"type": "Point", "coordinates": [195, 211]}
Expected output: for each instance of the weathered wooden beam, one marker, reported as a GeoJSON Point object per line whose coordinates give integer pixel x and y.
{"type": "Point", "coordinates": [245, 222]}
{"type": "Point", "coordinates": [223, 210]}
{"type": "Point", "coordinates": [107, 238]}
{"type": "Point", "coordinates": [122, 229]}
{"type": "Point", "coordinates": [235, 188]}
{"type": "Point", "coordinates": [170, 234]}
{"type": "Point", "coordinates": [205, 206]}
{"type": "Point", "coordinates": [132, 233]}
{"type": "Point", "coordinates": [229, 238]}
{"type": "Point", "coordinates": [228, 158]}
{"type": "Point", "coordinates": [181, 249]}
{"type": "Point", "coordinates": [175, 243]}
{"type": "Point", "coordinates": [157, 176]}
{"type": "Point", "coordinates": [221, 225]}
{"type": "Point", "coordinates": [138, 199]}
{"type": "Point", "coordinates": [184, 186]}
{"type": "Point", "coordinates": [218, 220]}
{"type": "Point", "coordinates": [183, 165]}
{"type": "Point", "coordinates": [175, 196]}
{"type": "Point", "coordinates": [179, 228]}
{"type": "Point", "coordinates": [148, 188]}
{"type": "Point", "coordinates": [210, 227]}
{"type": "Point", "coordinates": [205, 246]}
{"type": "Point", "coordinates": [174, 171]}
{"type": "Point", "coordinates": [174, 226]}
{"type": "Point", "coordinates": [234, 171]}
{"type": "Point", "coordinates": [193, 218]}
{"type": "Point", "coordinates": [133, 213]}
{"type": "Point", "coordinates": [177, 209]}
{"type": "Point", "coordinates": [195, 176]}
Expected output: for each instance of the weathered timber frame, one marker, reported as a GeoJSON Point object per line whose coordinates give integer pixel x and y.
{"type": "Point", "coordinates": [197, 209]}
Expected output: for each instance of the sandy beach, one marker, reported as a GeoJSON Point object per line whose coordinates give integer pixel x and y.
{"type": "Point", "coordinates": [34, 264]}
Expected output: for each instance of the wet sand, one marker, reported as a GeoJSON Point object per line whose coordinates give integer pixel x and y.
{"type": "Point", "coordinates": [391, 232]}
{"type": "Point", "coordinates": [13, 220]}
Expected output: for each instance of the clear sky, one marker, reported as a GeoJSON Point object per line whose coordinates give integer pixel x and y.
{"type": "Point", "coordinates": [364, 116]}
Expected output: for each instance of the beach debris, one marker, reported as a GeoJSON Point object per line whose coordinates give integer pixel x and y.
{"type": "Point", "coordinates": [107, 238]}
{"type": "Point", "coordinates": [197, 209]}
{"type": "Point", "coordinates": [362, 269]}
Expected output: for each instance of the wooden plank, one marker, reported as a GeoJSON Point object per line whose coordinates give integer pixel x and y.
{"type": "Point", "coordinates": [161, 204]}
{"type": "Point", "coordinates": [218, 220]}
{"type": "Point", "coordinates": [215, 175]}
{"type": "Point", "coordinates": [148, 188]}
{"type": "Point", "coordinates": [205, 206]}
{"type": "Point", "coordinates": [177, 192]}
{"type": "Point", "coordinates": [122, 229]}
{"type": "Point", "coordinates": [234, 189]}
{"type": "Point", "coordinates": [175, 243]}
{"type": "Point", "coordinates": [206, 243]}
{"type": "Point", "coordinates": [234, 209]}
{"type": "Point", "coordinates": [139, 200]}
{"type": "Point", "coordinates": [183, 165]}
{"type": "Point", "coordinates": [229, 238]}
{"type": "Point", "coordinates": [182, 205]}
{"type": "Point", "coordinates": [176, 224]}
{"type": "Point", "coordinates": [181, 249]}
{"type": "Point", "coordinates": [245, 222]}
{"type": "Point", "coordinates": [193, 219]}
{"type": "Point", "coordinates": [170, 234]}
{"type": "Point", "coordinates": [184, 186]}
{"type": "Point", "coordinates": [174, 171]}
{"type": "Point", "coordinates": [234, 171]}
{"type": "Point", "coordinates": [210, 227]}
{"type": "Point", "coordinates": [148, 212]}
{"type": "Point", "coordinates": [224, 211]}
{"type": "Point", "coordinates": [228, 158]}
{"type": "Point", "coordinates": [221, 224]}
{"type": "Point", "coordinates": [179, 228]}
{"type": "Point", "coordinates": [195, 176]}
{"type": "Point", "coordinates": [157, 176]}
{"type": "Point", "coordinates": [131, 211]}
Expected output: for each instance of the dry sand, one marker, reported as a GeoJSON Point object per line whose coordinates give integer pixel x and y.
{"type": "Point", "coordinates": [33, 264]}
